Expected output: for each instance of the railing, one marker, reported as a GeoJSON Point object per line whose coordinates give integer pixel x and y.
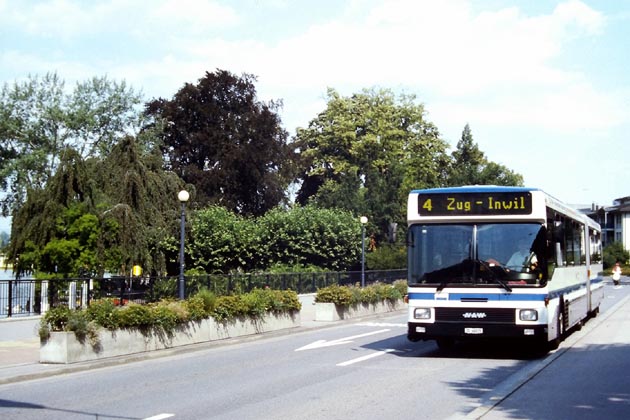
{"type": "Point", "coordinates": [27, 297]}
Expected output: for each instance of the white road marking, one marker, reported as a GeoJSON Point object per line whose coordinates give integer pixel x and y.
{"type": "Point", "coordinates": [323, 343]}
{"type": "Point", "coordinates": [160, 416]}
{"type": "Point", "coordinates": [364, 358]}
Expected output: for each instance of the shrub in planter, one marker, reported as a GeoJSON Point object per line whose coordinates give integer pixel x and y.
{"type": "Point", "coordinates": [351, 295]}
{"type": "Point", "coordinates": [104, 313]}
{"type": "Point", "coordinates": [63, 318]}
{"type": "Point", "coordinates": [339, 295]}
{"type": "Point", "coordinates": [166, 315]}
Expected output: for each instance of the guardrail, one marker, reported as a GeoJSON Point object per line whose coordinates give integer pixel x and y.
{"type": "Point", "coordinates": [28, 297]}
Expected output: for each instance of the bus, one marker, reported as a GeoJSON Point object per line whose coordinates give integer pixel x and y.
{"type": "Point", "coordinates": [463, 283]}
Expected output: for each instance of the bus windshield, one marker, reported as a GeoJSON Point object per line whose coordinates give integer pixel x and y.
{"type": "Point", "coordinates": [475, 254]}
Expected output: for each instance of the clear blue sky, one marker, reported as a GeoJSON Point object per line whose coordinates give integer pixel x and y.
{"type": "Point", "coordinates": [544, 85]}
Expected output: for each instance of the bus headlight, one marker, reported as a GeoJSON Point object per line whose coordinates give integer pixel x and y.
{"type": "Point", "coordinates": [422, 313]}
{"type": "Point", "coordinates": [528, 315]}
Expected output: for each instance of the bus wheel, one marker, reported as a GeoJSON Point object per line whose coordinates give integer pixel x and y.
{"type": "Point", "coordinates": [445, 344]}
{"type": "Point", "coordinates": [594, 312]}
{"type": "Point", "coordinates": [555, 343]}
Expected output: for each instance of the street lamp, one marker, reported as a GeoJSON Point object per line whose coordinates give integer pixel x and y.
{"type": "Point", "coordinates": [364, 221]}
{"type": "Point", "coordinates": [183, 197]}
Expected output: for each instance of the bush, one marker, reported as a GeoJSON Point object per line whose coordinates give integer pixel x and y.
{"type": "Point", "coordinates": [63, 318]}
{"type": "Point", "coordinates": [103, 312]}
{"type": "Point", "coordinates": [135, 316]}
{"type": "Point", "coordinates": [228, 307]}
{"type": "Point", "coordinates": [339, 295]}
{"type": "Point", "coordinates": [352, 295]}
{"type": "Point", "coordinates": [196, 308]}
{"type": "Point", "coordinates": [208, 298]}
{"type": "Point", "coordinates": [615, 252]}
{"type": "Point", "coordinates": [387, 257]}
{"type": "Point", "coordinates": [166, 315]}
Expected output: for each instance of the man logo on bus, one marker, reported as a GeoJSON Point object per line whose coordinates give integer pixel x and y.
{"type": "Point", "coordinates": [477, 315]}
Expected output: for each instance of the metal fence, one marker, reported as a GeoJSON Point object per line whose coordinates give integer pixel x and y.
{"type": "Point", "coordinates": [27, 297]}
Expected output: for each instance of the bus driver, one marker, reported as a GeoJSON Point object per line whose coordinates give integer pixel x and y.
{"type": "Point", "coordinates": [522, 258]}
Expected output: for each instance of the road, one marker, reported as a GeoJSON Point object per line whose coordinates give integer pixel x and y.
{"type": "Point", "coordinates": [362, 370]}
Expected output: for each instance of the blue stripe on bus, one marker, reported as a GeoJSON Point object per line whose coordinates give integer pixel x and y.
{"type": "Point", "coordinates": [504, 296]}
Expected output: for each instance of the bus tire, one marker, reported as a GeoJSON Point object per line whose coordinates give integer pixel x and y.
{"type": "Point", "coordinates": [555, 343]}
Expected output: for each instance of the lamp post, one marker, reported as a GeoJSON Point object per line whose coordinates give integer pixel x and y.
{"type": "Point", "coordinates": [183, 197]}
{"type": "Point", "coordinates": [364, 221]}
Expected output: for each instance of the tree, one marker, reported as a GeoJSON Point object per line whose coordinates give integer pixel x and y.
{"type": "Point", "coordinates": [100, 214]}
{"type": "Point", "coordinates": [40, 121]}
{"type": "Point", "coordinates": [218, 137]}
{"type": "Point", "coordinates": [614, 252]}
{"type": "Point", "coordinates": [364, 153]}
{"type": "Point", "coordinates": [139, 200]}
{"type": "Point", "coordinates": [471, 167]}
{"type": "Point", "coordinates": [46, 216]}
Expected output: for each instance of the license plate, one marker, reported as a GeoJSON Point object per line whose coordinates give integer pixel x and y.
{"type": "Point", "coordinates": [473, 330]}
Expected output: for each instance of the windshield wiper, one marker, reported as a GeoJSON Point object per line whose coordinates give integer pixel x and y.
{"type": "Point", "coordinates": [494, 276]}
{"type": "Point", "coordinates": [441, 286]}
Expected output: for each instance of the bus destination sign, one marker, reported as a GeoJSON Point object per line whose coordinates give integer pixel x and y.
{"type": "Point", "coordinates": [469, 204]}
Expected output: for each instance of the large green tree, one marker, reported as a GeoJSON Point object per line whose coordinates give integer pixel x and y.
{"type": "Point", "coordinates": [220, 138]}
{"type": "Point", "coordinates": [471, 167]}
{"type": "Point", "coordinates": [364, 153]}
{"type": "Point", "coordinates": [40, 121]}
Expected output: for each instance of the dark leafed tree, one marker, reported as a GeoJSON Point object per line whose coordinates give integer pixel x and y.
{"type": "Point", "coordinates": [470, 166]}
{"type": "Point", "coordinates": [218, 137]}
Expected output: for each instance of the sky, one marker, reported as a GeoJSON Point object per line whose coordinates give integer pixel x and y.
{"type": "Point", "coordinates": [544, 85]}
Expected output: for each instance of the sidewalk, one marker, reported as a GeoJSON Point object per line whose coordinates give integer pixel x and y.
{"type": "Point", "coordinates": [19, 347]}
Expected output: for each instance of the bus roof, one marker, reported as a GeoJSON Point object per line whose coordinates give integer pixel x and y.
{"type": "Point", "coordinates": [474, 188]}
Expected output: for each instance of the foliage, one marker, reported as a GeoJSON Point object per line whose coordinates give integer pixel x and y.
{"type": "Point", "coordinates": [63, 318]}
{"type": "Point", "coordinates": [471, 167]}
{"type": "Point", "coordinates": [222, 241]}
{"type": "Point", "coordinates": [139, 206]}
{"type": "Point", "coordinates": [103, 312]}
{"type": "Point", "coordinates": [339, 295]}
{"type": "Point", "coordinates": [353, 295]}
{"type": "Point", "coordinates": [615, 252]}
{"type": "Point", "coordinates": [308, 236]}
{"type": "Point", "coordinates": [40, 122]}
{"type": "Point", "coordinates": [135, 316]}
{"type": "Point", "coordinates": [231, 147]}
{"type": "Point", "coordinates": [387, 257]}
{"type": "Point", "coordinates": [208, 299]}
{"type": "Point", "coordinates": [364, 153]}
{"type": "Point", "coordinates": [97, 216]}
{"type": "Point", "coordinates": [164, 316]}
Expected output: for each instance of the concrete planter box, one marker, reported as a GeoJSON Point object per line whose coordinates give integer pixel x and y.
{"type": "Point", "coordinates": [64, 347]}
{"type": "Point", "coordinates": [333, 312]}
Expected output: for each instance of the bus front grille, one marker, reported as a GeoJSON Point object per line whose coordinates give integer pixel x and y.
{"type": "Point", "coordinates": [475, 315]}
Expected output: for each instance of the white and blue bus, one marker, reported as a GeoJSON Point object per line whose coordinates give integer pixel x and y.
{"type": "Point", "coordinates": [464, 284]}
